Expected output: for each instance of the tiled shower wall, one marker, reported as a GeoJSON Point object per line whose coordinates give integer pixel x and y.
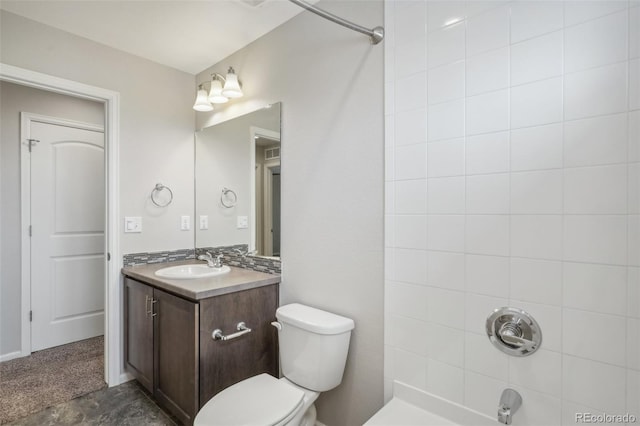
{"type": "Point", "coordinates": [512, 179]}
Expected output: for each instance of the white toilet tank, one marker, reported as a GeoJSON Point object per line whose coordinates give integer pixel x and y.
{"type": "Point", "coordinates": [313, 346]}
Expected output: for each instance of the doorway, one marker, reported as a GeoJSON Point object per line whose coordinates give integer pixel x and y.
{"type": "Point", "coordinates": [112, 261]}
{"type": "Point", "coordinates": [63, 199]}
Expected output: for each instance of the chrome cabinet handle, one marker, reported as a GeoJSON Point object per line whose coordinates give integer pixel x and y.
{"type": "Point", "coordinates": [149, 308]}
{"type": "Point", "coordinates": [242, 330]}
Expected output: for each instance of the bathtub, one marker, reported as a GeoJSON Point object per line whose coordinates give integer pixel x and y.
{"type": "Point", "coordinates": [410, 406]}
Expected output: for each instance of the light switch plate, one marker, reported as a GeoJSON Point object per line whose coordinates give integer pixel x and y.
{"type": "Point", "coordinates": [185, 223]}
{"type": "Point", "coordinates": [243, 222]}
{"type": "Point", "coordinates": [132, 224]}
{"type": "Point", "coordinates": [204, 222]}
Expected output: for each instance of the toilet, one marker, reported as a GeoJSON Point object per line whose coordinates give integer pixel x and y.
{"type": "Point", "coordinates": [313, 353]}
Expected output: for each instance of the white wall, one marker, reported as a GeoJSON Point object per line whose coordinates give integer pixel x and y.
{"type": "Point", "coordinates": [15, 99]}
{"type": "Point", "coordinates": [512, 179]}
{"type": "Point", "coordinates": [330, 81]}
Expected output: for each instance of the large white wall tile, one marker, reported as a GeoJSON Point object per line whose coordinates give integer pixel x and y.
{"type": "Point", "coordinates": [487, 234]}
{"type": "Point", "coordinates": [534, 18]}
{"type": "Point", "coordinates": [634, 32]}
{"type": "Point", "coordinates": [482, 392]}
{"type": "Point", "coordinates": [408, 300]}
{"type": "Point", "coordinates": [411, 161]}
{"type": "Point", "coordinates": [410, 22]}
{"type": "Point", "coordinates": [446, 381]}
{"type": "Point", "coordinates": [446, 307]}
{"type": "Point", "coordinates": [536, 59]}
{"type": "Point", "coordinates": [594, 336]}
{"type": "Point", "coordinates": [446, 158]}
{"type": "Point", "coordinates": [549, 318]}
{"type": "Point", "coordinates": [476, 7]}
{"type": "Point", "coordinates": [410, 368]}
{"type": "Point", "coordinates": [410, 92]}
{"type": "Point", "coordinates": [411, 231]}
{"type": "Point", "coordinates": [445, 270]}
{"type": "Point", "coordinates": [541, 408]}
{"type": "Point", "coordinates": [409, 334]}
{"type": "Point", "coordinates": [410, 266]}
{"type": "Point", "coordinates": [488, 153]}
{"type": "Point", "coordinates": [594, 384]}
{"type": "Point", "coordinates": [410, 127]}
{"type": "Point", "coordinates": [535, 148]}
{"type": "Point", "coordinates": [446, 345]}
{"type": "Point", "coordinates": [536, 103]}
{"type": "Point", "coordinates": [484, 358]}
{"type": "Point", "coordinates": [633, 343]}
{"type": "Point", "coordinates": [477, 308]}
{"type": "Point", "coordinates": [487, 113]}
{"type": "Point", "coordinates": [633, 393]}
{"type": "Point", "coordinates": [487, 194]}
{"type": "Point", "coordinates": [411, 57]}
{"type": "Point", "coordinates": [633, 188]}
{"type": "Point", "coordinates": [487, 31]}
{"type": "Point", "coordinates": [536, 236]}
{"type": "Point", "coordinates": [411, 196]}
{"type": "Point", "coordinates": [634, 84]}
{"type": "Point", "coordinates": [597, 91]}
{"type": "Point", "coordinates": [633, 238]}
{"type": "Point", "coordinates": [595, 43]}
{"type": "Point", "coordinates": [446, 45]}
{"type": "Point", "coordinates": [487, 275]}
{"type": "Point", "coordinates": [538, 192]}
{"type": "Point", "coordinates": [596, 190]}
{"type": "Point", "coordinates": [597, 239]}
{"type": "Point", "coordinates": [446, 83]}
{"type": "Point", "coordinates": [577, 12]}
{"type": "Point", "coordinates": [633, 292]}
{"type": "Point", "coordinates": [592, 287]}
{"type": "Point", "coordinates": [634, 136]}
{"type": "Point", "coordinates": [443, 13]}
{"type": "Point", "coordinates": [446, 232]}
{"type": "Point", "coordinates": [488, 71]}
{"type": "Point", "coordinates": [446, 120]}
{"type": "Point", "coordinates": [595, 141]}
{"type": "Point", "coordinates": [537, 281]}
{"type": "Point", "coordinates": [445, 195]}
{"type": "Point", "coordinates": [542, 372]}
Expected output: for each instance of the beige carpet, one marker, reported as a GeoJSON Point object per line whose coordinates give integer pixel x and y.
{"type": "Point", "coordinates": [49, 377]}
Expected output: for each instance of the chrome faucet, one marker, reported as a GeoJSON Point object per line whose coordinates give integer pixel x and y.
{"type": "Point", "coordinates": [510, 401]}
{"type": "Point", "coordinates": [245, 253]}
{"type": "Point", "coordinates": [212, 262]}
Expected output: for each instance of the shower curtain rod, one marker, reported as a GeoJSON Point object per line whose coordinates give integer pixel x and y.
{"type": "Point", "coordinates": [376, 34]}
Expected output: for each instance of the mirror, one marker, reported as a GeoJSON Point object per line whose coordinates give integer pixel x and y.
{"type": "Point", "coordinates": [237, 172]}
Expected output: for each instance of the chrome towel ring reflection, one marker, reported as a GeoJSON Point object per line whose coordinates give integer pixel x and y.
{"type": "Point", "coordinates": [156, 191]}
{"type": "Point", "coordinates": [228, 198]}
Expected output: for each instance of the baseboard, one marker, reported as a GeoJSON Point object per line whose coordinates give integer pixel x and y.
{"type": "Point", "coordinates": [319, 424]}
{"type": "Point", "coordinates": [124, 378]}
{"type": "Point", "coordinates": [10, 356]}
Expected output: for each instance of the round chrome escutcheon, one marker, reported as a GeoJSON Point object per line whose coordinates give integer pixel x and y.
{"type": "Point", "coordinates": [513, 331]}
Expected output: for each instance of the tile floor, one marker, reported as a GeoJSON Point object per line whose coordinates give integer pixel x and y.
{"type": "Point", "coordinates": [123, 405]}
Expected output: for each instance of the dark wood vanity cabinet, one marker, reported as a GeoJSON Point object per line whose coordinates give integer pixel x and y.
{"type": "Point", "coordinates": [169, 347]}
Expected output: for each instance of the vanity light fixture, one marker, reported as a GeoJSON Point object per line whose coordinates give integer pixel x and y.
{"type": "Point", "coordinates": [218, 94]}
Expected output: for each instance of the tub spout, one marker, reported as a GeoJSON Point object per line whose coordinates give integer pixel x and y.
{"type": "Point", "coordinates": [510, 401]}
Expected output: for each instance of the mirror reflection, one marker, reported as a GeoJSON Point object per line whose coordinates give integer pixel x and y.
{"type": "Point", "coordinates": [237, 198]}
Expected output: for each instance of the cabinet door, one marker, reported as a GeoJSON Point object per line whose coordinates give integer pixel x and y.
{"type": "Point", "coordinates": [138, 332]}
{"type": "Point", "coordinates": [176, 355]}
{"type": "Point", "coordinates": [223, 363]}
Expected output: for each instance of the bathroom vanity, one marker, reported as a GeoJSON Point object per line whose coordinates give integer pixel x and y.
{"type": "Point", "coordinates": [169, 326]}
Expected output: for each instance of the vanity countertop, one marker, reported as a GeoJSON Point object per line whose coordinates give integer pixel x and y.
{"type": "Point", "coordinates": [237, 279]}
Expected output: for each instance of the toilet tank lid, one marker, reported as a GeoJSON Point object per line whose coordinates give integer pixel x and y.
{"type": "Point", "coordinates": [314, 320]}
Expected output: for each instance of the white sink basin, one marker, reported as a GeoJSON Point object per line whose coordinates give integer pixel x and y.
{"type": "Point", "coordinates": [186, 272]}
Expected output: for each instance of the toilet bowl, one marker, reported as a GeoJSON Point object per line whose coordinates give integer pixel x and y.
{"type": "Point", "coordinates": [313, 353]}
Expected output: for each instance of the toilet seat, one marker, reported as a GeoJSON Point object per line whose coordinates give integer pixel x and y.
{"type": "Point", "coordinates": [260, 400]}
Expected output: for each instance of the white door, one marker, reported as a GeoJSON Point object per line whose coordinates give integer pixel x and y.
{"type": "Point", "coordinates": [67, 243]}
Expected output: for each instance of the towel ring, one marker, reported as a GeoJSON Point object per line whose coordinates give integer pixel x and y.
{"type": "Point", "coordinates": [230, 202]}
{"type": "Point", "coordinates": [159, 188]}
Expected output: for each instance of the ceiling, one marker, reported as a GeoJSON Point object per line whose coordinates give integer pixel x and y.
{"type": "Point", "coordinates": [189, 35]}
